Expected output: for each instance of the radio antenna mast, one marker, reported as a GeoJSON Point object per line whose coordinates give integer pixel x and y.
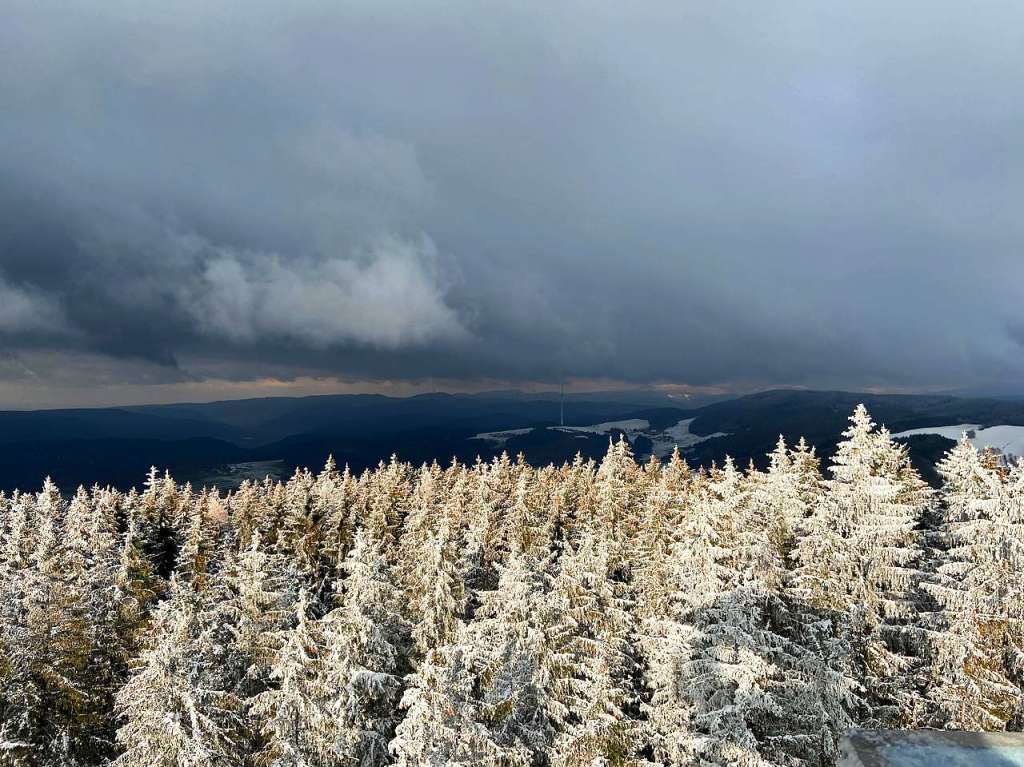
{"type": "Point", "coordinates": [561, 402]}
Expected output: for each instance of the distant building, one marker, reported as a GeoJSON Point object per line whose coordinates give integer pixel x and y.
{"type": "Point", "coordinates": [931, 748]}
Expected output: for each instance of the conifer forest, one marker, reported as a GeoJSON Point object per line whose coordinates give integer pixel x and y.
{"type": "Point", "coordinates": [594, 614]}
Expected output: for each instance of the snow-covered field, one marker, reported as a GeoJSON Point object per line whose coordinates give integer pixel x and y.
{"type": "Point", "coordinates": [662, 440]}
{"type": "Point", "coordinates": [681, 436]}
{"type": "Point", "coordinates": [230, 477]}
{"type": "Point", "coordinates": [501, 437]}
{"type": "Point", "coordinates": [632, 427]}
{"type": "Point", "coordinates": [949, 432]}
{"type": "Point", "coordinates": [1008, 441]}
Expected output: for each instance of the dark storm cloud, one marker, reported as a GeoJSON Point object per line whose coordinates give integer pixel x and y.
{"type": "Point", "coordinates": [800, 193]}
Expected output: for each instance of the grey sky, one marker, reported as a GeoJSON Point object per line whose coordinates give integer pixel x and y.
{"type": "Point", "coordinates": [719, 193]}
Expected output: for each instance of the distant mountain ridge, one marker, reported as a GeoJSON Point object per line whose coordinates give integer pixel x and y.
{"type": "Point", "coordinates": [117, 445]}
{"type": "Point", "coordinates": [197, 440]}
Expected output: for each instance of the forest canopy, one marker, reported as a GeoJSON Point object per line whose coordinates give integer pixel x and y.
{"type": "Point", "coordinates": [593, 613]}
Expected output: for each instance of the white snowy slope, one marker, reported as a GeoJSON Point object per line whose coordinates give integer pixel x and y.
{"type": "Point", "coordinates": [663, 441]}
{"type": "Point", "coordinates": [680, 436]}
{"type": "Point", "coordinates": [501, 437]}
{"type": "Point", "coordinates": [631, 426]}
{"type": "Point", "coordinates": [1007, 441]}
{"type": "Point", "coordinates": [949, 432]}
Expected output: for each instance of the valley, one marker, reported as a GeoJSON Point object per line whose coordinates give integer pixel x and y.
{"type": "Point", "coordinates": [223, 443]}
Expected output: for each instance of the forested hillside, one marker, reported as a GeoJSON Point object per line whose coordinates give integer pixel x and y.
{"type": "Point", "coordinates": [583, 615]}
{"type": "Point", "coordinates": [117, 445]}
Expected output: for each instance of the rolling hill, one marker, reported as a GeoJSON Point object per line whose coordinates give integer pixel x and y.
{"type": "Point", "coordinates": [216, 442]}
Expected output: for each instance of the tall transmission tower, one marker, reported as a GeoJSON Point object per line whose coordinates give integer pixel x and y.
{"type": "Point", "coordinates": [561, 402]}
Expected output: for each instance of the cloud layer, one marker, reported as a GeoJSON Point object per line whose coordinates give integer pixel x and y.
{"type": "Point", "coordinates": [784, 193]}
{"type": "Point", "coordinates": [25, 312]}
{"type": "Point", "coordinates": [388, 301]}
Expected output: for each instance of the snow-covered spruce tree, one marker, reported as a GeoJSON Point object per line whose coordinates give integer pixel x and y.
{"type": "Point", "coordinates": [549, 510]}
{"type": "Point", "coordinates": [1012, 591]}
{"type": "Point", "coordinates": [729, 680]}
{"type": "Point", "coordinates": [807, 467]}
{"type": "Point", "coordinates": [617, 504]}
{"type": "Point", "coordinates": [692, 714]}
{"type": "Point", "coordinates": [387, 503]}
{"type": "Point", "coordinates": [423, 518]}
{"type": "Point", "coordinates": [12, 526]}
{"type": "Point", "coordinates": [523, 665]}
{"type": "Point", "coordinates": [457, 496]}
{"type": "Point", "coordinates": [172, 716]}
{"type": "Point", "coordinates": [442, 719]}
{"type": "Point", "coordinates": [802, 710]}
{"type": "Point", "coordinates": [270, 511]}
{"type": "Point", "coordinates": [654, 588]}
{"type": "Point", "coordinates": [437, 597]}
{"type": "Point", "coordinates": [14, 561]}
{"type": "Point", "coordinates": [729, 685]}
{"type": "Point", "coordinates": [256, 607]}
{"type": "Point", "coordinates": [298, 537]}
{"type": "Point", "coordinates": [664, 514]}
{"type": "Point", "coordinates": [476, 531]}
{"type": "Point", "coordinates": [779, 497]}
{"type": "Point", "coordinates": [970, 684]}
{"type": "Point", "coordinates": [247, 514]}
{"type": "Point", "coordinates": [574, 497]}
{"type": "Point", "coordinates": [138, 586]}
{"type": "Point", "coordinates": [161, 515]}
{"type": "Point", "coordinates": [88, 560]}
{"type": "Point", "coordinates": [528, 526]}
{"type": "Point", "coordinates": [458, 510]}
{"type": "Point", "coordinates": [292, 715]}
{"type": "Point", "coordinates": [590, 623]}
{"type": "Point", "coordinates": [60, 719]}
{"type": "Point", "coordinates": [196, 548]}
{"type": "Point", "coordinates": [19, 694]}
{"type": "Point", "coordinates": [365, 657]}
{"type": "Point", "coordinates": [731, 500]}
{"type": "Point", "coordinates": [17, 532]}
{"type": "Point", "coordinates": [318, 525]}
{"type": "Point", "coordinates": [857, 568]}
{"type": "Point", "coordinates": [334, 504]}
{"type": "Point", "coordinates": [495, 494]}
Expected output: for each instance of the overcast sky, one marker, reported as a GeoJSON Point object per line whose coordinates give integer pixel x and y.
{"type": "Point", "coordinates": [202, 199]}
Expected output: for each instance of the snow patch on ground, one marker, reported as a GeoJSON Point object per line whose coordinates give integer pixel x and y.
{"type": "Point", "coordinates": [949, 432]}
{"type": "Point", "coordinates": [1007, 441]}
{"type": "Point", "coordinates": [632, 427]}
{"type": "Point", "coordinates": [501, 437]}
{"type": "Point", "coordinates": [663, 441]}
{"type": "Point", "coordinates": [231, 477]}
{"type": "Point", "coordinates": [678, 436]}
